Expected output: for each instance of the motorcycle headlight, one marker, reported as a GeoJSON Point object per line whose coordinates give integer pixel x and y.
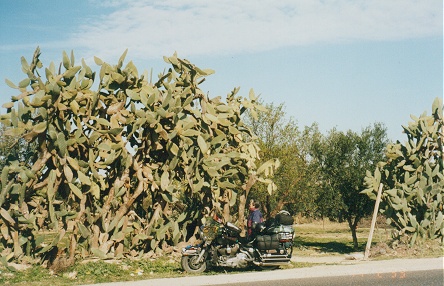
{"type": "Point", "coordinates": [201, 233]}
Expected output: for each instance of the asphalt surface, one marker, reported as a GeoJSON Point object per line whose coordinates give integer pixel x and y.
{"type": "Point", "coordinates": [396, 270]}
{"type": "Point", "coordinates": [415, 278]}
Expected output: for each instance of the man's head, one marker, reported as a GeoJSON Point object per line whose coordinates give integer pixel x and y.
{"type": "Point", "coordinates": [251, 205]}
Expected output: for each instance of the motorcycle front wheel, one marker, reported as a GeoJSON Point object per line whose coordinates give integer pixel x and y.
{"type": "Point", "coordinates": [191, 264]}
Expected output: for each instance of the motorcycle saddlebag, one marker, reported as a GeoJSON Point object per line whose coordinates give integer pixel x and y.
{"type": "Point", "coordinates": [266, 242]}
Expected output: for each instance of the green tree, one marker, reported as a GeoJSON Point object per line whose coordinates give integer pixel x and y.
{"type": "Point", "coordinates": [280, 137]}
{"type": "Point", "coordinates": [14, 148]}
{"type": "Point", "coordinates": [413, 179]}
{"type": "Point", "coordinates": [311, 200]}
{"type": "Point", "coordinates": [343, 159]}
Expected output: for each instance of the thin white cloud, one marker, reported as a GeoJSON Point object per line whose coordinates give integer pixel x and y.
{"type": "Point", "coordinates": [151, 29]}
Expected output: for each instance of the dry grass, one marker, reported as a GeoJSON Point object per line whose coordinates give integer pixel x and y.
{"type": "Point", "coordinates": [326, 238]}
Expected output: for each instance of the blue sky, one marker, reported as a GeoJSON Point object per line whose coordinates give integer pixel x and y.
{"type": "Point", "coordinates": [344, 64]}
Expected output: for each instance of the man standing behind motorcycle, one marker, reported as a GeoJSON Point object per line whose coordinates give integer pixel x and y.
{"type": "Point", "coordinates": [255, 217]}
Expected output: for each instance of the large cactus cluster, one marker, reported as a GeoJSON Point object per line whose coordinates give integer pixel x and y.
{"type": "Point", "coordinates": [413, 179]}
{"type": "Point", "coordinates": [122, 166]}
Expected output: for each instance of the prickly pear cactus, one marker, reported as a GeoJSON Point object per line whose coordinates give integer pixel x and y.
{"type": "Point", "coordinates": [413, 179]}
{"type": "Point", "coordinates": [123, 166]}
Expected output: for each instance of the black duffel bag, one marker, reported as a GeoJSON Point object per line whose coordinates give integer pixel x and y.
{"type": "Point", "coordinates": [284, 217]}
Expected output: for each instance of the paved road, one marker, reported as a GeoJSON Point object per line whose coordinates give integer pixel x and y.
{"type": "Point", "coordinates": [397, 268]}
{"type": "Point", "coordinates": [402, 278]}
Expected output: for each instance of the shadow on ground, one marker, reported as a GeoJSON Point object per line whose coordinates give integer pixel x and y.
{"type": "Point", "coordinates": [330, 246]}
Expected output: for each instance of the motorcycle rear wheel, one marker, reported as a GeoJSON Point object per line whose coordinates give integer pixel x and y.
{"type": "Point", "coordinates": [191, 265]}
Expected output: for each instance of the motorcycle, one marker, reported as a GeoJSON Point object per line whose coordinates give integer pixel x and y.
{"type": "Point", "coordinates": [222, 245]}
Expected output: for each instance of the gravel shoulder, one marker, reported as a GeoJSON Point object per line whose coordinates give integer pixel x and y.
{"type": "Point", "coordinates": [329, 260]}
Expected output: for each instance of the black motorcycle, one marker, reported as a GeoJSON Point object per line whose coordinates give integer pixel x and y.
{"type": "Point", "coordinates": [222, 246]}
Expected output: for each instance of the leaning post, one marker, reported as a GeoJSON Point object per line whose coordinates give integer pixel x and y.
{"type": "Point", "coordinates": [375, 214]}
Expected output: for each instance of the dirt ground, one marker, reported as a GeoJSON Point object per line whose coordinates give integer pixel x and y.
{"type": "Point", "coordinates": [331, 243]}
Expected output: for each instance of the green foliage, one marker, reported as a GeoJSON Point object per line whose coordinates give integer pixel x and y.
{"type": "Point", "coordinates": [413, 179]}
{"type": "Point", "coordinates": [281, 138]}
{"type": "Point", "coordinates": [14, 148]}
{"type": "Point", "coordinates": [123, 169]}
{"type": "Point", "coordinates": [343, 159]}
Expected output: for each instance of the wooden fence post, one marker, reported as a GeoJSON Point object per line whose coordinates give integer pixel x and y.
{"type": "Point", "coordinates": [375, 214]}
